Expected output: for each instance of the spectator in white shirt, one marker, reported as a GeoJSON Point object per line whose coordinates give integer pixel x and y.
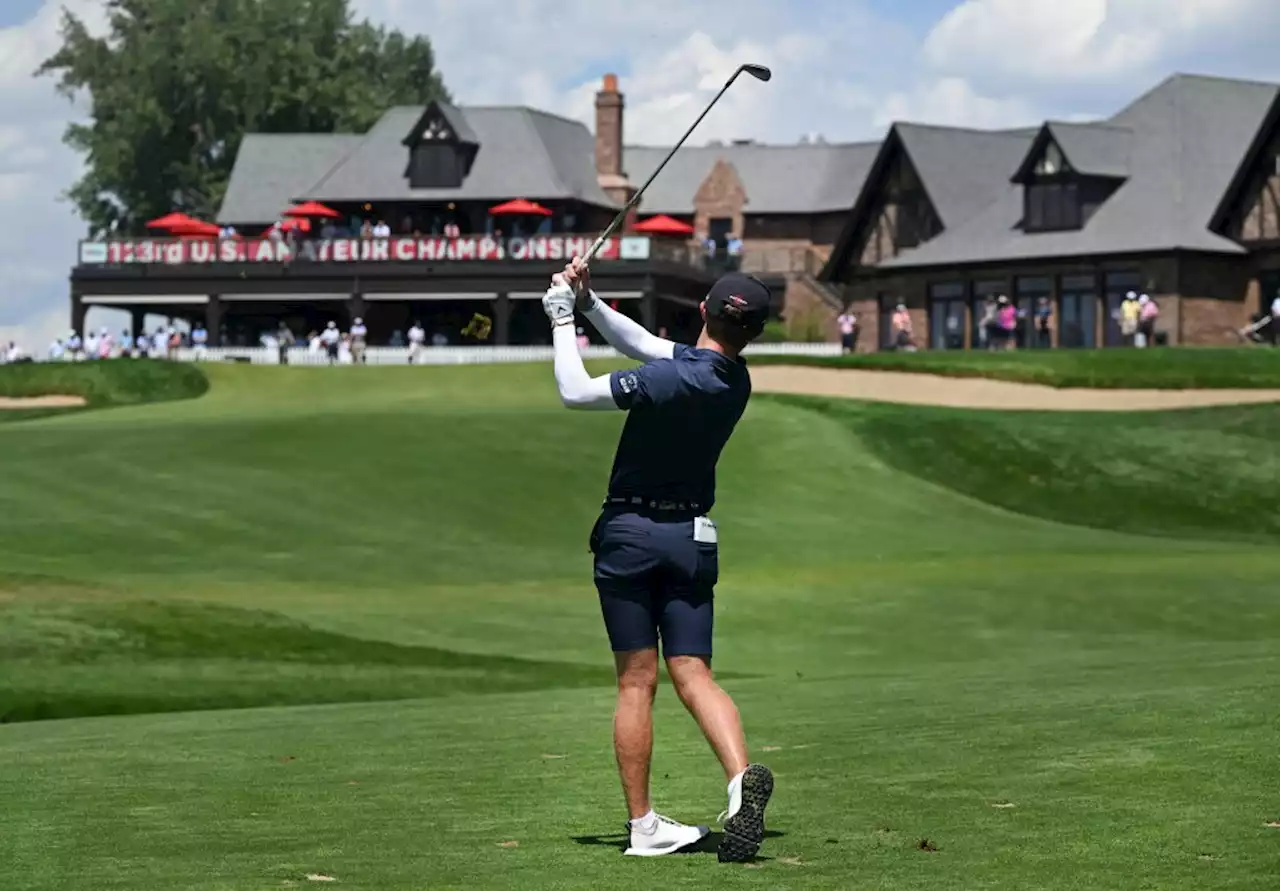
{"type": "Point", "coordinates": [417, 337]}
{"type": "Point", "coordinates": [91, 345]}
{"type": "Point", "coordinates": [359, 340]}
{"type": "Point", "coordinates": [56, 351]}
{"type": "Point", "coordinates": [14, 353]}
{"type": "Point", "coordinates": [74, 346]}
{"type": "Point", "coordinates": [1273, 330]}
{"type": "Point", "coordinates": [200, 340]}
{"type": "Point", "coordinates": [331, 337]}
{"type": "Point", "coordinates": [848, 323]}
{"type": "Point", "coordinates": [382, 230]}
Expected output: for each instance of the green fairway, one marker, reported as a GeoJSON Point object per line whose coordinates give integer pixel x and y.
{"type": "Point", "coordinates": [1009, 637]}
{"type": "Point", "coordinates": [1154, 369]}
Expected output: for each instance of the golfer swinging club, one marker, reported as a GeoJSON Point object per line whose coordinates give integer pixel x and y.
{"type": "Point", "coordinates": [656, 554]}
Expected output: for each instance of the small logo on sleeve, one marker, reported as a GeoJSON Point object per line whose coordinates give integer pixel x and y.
{"type": "Point", "coordinates": [627, 382]}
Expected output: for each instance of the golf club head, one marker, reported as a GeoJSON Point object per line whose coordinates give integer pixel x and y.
{"type": "Point", "coordinates": [759, 72]}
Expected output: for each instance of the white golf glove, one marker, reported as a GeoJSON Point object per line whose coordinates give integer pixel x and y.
{"type": "Point", "coordinates": [558, 303]}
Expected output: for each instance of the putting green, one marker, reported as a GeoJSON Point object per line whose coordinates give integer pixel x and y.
{"type": "Point", "coordinates": [391, 563]}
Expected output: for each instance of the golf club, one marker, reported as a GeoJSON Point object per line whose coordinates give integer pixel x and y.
{"type": "Point", "coordinates": [759, 72]}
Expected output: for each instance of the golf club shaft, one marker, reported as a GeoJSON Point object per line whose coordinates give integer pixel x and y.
{"type": "Point", "coordinates": [635, 199]}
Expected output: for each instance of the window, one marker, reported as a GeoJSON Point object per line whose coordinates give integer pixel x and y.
{"type": "Point", "coordinates": [1051, 162]}
{"type": "Point", "coordinates": [946, 316]}
{"type": "Point", "coordinates": [1078, 311]}
{"type": "Point", "coordinates": [435, 166]}
{"type": "Point", "coordinates": [1052, 206]}
{"type": "Point", "coordinates": [1031, 290]}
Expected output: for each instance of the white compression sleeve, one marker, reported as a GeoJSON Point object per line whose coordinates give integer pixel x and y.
{"type": "Point", "coordinates": [577, 388]}
{"type": "Point", "coordinates": [626, 335]}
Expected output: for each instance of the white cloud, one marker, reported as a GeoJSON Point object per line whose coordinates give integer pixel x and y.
{"type": "Point", "coordinates": [951, 101]}
{"type": "Point", "coordinates": [1082, 40]}
{"type": "Point", "coordinates": [839, 68]}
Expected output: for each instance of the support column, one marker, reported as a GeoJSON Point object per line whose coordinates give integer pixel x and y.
{"type": "Point", "coordinates": [355, 307]}
{"type": "Point", "coordinates": [502, 320]}
{"type": "Point", "coordinates": [213, 319]}
{"type": "Point", "coordinates": [649, 309]}
{"type": "Point", "coordinates": [78, 310]}
{"type": "Point", "coordinates": [137, 321]}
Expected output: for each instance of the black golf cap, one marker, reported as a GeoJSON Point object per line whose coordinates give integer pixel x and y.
{"type": "Point", "coordinates": [741, 300]}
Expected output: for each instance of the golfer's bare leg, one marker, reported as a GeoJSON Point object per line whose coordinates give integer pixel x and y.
{"type": "Point", "coordinates": [712, 708]}
{"type": "Point", "coordinates": [633, 725]}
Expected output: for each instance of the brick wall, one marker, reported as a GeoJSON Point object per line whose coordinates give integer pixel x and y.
{"type": "Point", "coordinates": [609, 128]}
{"type": "Point", "coordinates": [721, 195]}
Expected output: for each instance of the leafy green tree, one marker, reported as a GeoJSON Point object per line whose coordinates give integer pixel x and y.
{"type": "Point", "coordinates": [174, 85]}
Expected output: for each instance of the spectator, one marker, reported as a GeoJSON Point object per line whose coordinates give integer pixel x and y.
{"type": "Point", "coordinates": [105, 344]}
{"type": "Point", "coordinates": [366, 229]}
{"type": "Point", "coordinates": [1006, 322]}
{"type": "Point", "coordinates": [227, 232]}
{"type": "Point", "coordinates": [328, 230]}
{"type": "Point", "coordinates": [126, 344]}
{"type": "Point", "coordinates": [1273, 330]}
{"type": "Point", "coordinates": [902, 330]}
{"type": "Point", "coordinates": [174, 342]}
{"type": "Point", "coordinates": [988, 324]}
{"type": "Point", "coordinates": [1129, 312]}
{"type": "Point", "coordinates": [331, 337]}
{"type": "Point", "coordinates": [1148, 312]}
{"type": "Point", "coordinates": [200, 340]}
{"type": "Point", "coordinates": [14, 354]}
{"type": "Point", "coordinates": [848, 323]}
{"type": "Point", "coordinates": [1044, 316]}
{"type": "Point", "coordinates": [583, 340]}
{"type": "Point", "coordinates": [397, 338]}
{"type": "Point", "coordinates": [451, 230]}
{"type": "Point", "coordinates": [74, 347]}
{"type": "Point", "coordinates": [417, 337]}
{"type": "Point", "coordinates": [284, 342]}
{"type": "Point", "coordinates": [344, 350]}
{"type": "Point", "coordinates": [359, 337]}
{"type": "Point", "coordinates": [314, 344]}
{"type": "Point", "coordinates": [382, 230]}
{"type": "Point", "coordinates": [439, 339]}
{"type": "Point", "coordinates": [56, 351]}
{"type": "Point", "coordinates": [709, 249]}
{"type": "Point", "coordinates": [734, 248]}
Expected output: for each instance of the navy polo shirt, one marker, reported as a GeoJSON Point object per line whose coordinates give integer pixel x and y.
{"type": "Point", "coordinates": [682, 411]}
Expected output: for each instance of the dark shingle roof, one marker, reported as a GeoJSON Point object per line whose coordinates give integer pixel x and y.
{"type": "Point", "coordinates": [1094, 149]}
{"type": "Point", "coordinates": [1189, 136]}
{"type": "Point", "coordinates": [523, 154]}
{"type": "Point", "coordinates": [962, 170]}
{"type": "Point", "coordinates": [271, 169]}
{"type": "Point", "coordinates": [802, 178]}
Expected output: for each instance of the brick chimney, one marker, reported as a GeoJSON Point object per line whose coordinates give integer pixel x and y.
{"type": "Point", "coordinates": [609, 141]}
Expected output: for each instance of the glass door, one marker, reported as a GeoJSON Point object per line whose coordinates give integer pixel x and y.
{"type": "Point", "coordinates": [1078, 312]}
{"type": "Point", "coordinates": [946, 316]}
{"type": "Point", "coordinates": [1030, 292]}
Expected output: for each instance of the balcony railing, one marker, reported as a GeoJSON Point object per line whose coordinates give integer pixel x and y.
{"type": "Point", "coordinates": [116, 252]}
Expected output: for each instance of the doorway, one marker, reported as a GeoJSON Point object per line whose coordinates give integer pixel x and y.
{"type": "Point", "coordinates": [1078, 312]}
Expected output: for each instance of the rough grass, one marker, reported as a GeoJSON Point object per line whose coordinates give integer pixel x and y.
{"type": "Point", "coordinates": [1156, 369]}
{"type": "Point", "coordinates": [1211, 473]}
{"type": "Point", "coordinates": [105, 383]}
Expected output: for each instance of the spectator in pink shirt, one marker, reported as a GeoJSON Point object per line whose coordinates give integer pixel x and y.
{"type": "Point", "coordinates": [1007, 319]}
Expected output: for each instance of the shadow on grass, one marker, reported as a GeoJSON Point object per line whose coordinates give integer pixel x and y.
{"type": "Point", "coordinates": [708, 845]}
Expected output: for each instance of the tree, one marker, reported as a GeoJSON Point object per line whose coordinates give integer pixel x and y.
{"type": "Point", "coordinates": [174, 85]}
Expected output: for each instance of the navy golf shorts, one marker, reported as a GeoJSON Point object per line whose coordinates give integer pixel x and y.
{"type": "Point", "coordinates": [655, 582]}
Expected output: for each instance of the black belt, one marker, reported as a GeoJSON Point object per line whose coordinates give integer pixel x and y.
{"type": "Point", "coordinates": [655, 503]}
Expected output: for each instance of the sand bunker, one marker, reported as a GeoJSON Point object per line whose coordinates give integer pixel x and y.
{"type": "Point", "coordinates": [9, 403]}
{"type": "Point", "coordinates": [959, 392]}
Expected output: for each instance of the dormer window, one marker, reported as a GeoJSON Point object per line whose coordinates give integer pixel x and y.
{"type": "Point", "coordinates": [1051, 196]}
{"type": "Point", "coordinates": [441, 149]}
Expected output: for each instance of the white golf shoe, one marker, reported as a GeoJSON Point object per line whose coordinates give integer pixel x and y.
{"type": "Point", "coordinates": [749, 794]}
{"type": "Point", "coordinates": [663, 836]}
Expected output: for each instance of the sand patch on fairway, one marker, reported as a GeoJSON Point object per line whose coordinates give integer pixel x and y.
{"type": "Point", "coordinates": [9, 403]}
{"type": "Point", "coordinates": [965, 392]}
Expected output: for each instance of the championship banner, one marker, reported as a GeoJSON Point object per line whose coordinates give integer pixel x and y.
{"type": "Point", "coordinates": [479, 248]}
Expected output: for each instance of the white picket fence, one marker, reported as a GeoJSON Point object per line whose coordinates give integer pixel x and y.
{"type": "Point", "coordinates": [467, 355]}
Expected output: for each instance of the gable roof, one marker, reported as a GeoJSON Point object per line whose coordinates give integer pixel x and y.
{"type": "Point", "coordinates": [523, 153]}
{"type": "Point", "coordinates": [453, 118]}
{"type": "Point", "coordinates": [1189, 136]}
{"type": "Point", "coordinates": [1088, 149]}
{"type": "Point", "coordinates": [961, 169]}
{"type": "Point", "coordinates": [799, 179]}
{"type": "Point", "coordinates": [271, 169]}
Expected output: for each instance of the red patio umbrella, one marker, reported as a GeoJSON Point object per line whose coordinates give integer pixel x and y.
{"type": "Point", "coordinates": [192, 228]}
{"type": "Point", "coordinates": [518, 207]}
{"type": "Point", "coordinates": [169, 220]}
{"type": "Point", "coordinates": [663, 225]}
{"type": "Point", "coordinates": [311, 209]}
{"type": "Point", "coordinates": [302, 225]}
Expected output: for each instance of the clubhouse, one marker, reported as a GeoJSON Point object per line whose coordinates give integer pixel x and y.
{"type": "Point", "coordinates": [442, 211]}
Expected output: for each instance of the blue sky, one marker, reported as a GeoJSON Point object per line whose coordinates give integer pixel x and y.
{"type": "Point", "coordinates": [842, 68]}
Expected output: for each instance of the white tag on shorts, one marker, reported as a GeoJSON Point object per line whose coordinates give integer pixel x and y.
{"type": "Point", "coordinates": [704, 530]}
